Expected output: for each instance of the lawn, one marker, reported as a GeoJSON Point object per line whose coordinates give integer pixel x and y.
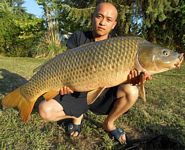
{"type": "Point", "coordinates": [148, 126]}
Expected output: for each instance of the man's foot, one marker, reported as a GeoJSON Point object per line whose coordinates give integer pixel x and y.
{"type": "Point", "coordinates": [118, 135]}
{"type": "Point", "coordinates": [74, 129]}
{"type": "Point", "coordinates": [115, 133]}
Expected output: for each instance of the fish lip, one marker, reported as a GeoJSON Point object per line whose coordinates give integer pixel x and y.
{"type": "Point", "coordinates": [180, 60]}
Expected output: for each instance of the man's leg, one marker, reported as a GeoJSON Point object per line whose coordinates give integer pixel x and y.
{"type": "Point", "coordinates": [53, 111]}
{"type": "Point", "coordinates": [126, 98]}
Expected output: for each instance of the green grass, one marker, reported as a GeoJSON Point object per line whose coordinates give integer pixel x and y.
{"type": "Point", "coordinates": [163, 114]}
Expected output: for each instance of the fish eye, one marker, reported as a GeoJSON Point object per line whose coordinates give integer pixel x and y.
{"type": "Point", "coordinates": [165, 52]}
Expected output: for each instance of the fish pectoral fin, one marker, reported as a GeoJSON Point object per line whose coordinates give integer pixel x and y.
{"type": "Point", "coordinates": [142, 92]}
{"type": "Point", "coordinates": [51, 94]}
{"type": "Point", "coordinates": [142, 87]}
{"type": "Point", "coordinates": [94, 94]}
{"type": "Point", "coordinates": [15, 99]}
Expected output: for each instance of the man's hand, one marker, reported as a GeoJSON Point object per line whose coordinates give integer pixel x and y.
{"type": "Point", "coordinates": [65, 90]}
{"type": "Point", "coordinates": [134, 77]}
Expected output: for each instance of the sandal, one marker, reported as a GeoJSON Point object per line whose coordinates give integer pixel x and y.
{"type": "Point", "coordinates": [74, 128]}
{"type": "Point", "coordinates": [116, 134]}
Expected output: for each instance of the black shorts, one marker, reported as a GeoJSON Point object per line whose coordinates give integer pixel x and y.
{"type": "Point", "coordinates": [76, 104]}
{"type": "Point", "coordinates": [105, 102]}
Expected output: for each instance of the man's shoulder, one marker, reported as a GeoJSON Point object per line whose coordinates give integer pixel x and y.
{"type": "Point", "coordinates": [79, 38]}
{"type": "Point", "coordinates": [78, 32]}
{"type": "Point", "coordinates": [85, 34]}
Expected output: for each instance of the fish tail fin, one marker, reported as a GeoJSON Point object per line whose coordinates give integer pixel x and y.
{"type": "Point", "coordinates": [15, 99]}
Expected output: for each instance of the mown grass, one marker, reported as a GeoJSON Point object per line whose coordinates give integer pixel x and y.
{"type": "Point", "coordinates": [163, 114]}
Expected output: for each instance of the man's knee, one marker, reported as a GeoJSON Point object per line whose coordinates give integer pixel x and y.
{"type": "Point", "coordinates": [45, 111]}
{"type": "Point", "coordinates": [128, 91]}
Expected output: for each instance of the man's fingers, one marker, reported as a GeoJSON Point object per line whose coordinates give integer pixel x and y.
{"type": "Point", "coordinates": [136, 73]}
{"type": "Point", "coordinates": [134, 77]}
{"type": "Point", "coordinates": [65, 90]}
{"type": "Point", "coordinates": [129, 76]}
{"type": "Point", "coordinates": [148, 77]}
{"type": "Point", "coordinates": [132, 74]}
{"type": "Point", "coordinates": [69, 90]}
{"type": "Point", "coordinates": [61, 91]}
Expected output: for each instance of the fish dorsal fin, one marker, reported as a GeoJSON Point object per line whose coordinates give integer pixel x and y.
{"type": "Point", "coordinates": [142, 88]}
{"type": "Point", "coordinates": [51, 94]}
{"type": "Point", "coordinates": [37, 69]}
{"type": "Point", "coordinates": [94, 94]}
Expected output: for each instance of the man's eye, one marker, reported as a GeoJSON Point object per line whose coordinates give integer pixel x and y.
{"type": "Point", "coordinates": [109, 20]}
{"type": "Point", "coordinates": [99, 16]}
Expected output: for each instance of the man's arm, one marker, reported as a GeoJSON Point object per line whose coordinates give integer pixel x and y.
{"type": "Point", "coordinates": [133, 78]}
{"type": "Point", "coordinates": [73, 41]}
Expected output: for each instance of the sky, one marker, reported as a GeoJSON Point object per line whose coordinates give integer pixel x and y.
{"type": "Point", "coordinates": [32, 7]}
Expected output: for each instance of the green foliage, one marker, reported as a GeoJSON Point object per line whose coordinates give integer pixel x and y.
{"type": "Point", "coordinates": [22, 34]}
{"type": "Point", "coordinates": [6, 26]}
{"type": "Point", "coordinates": [48, 46]}
{"type": "Point", "coordinates": [81, 21]}
{"type": "Point", "coordinates": [19, 31]}
{"type": "Point", "coordinates": [153, 19]}
{"type": "Point", "coordinates": [164, 23]}
{"type": "Point", "coordinates": [124, 19]}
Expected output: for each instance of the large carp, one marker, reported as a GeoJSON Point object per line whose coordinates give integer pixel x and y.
{"type": "Point", "coordinates": [92, 67]}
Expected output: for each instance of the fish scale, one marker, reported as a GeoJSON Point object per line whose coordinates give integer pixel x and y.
{"type": "Point", "coordinates": [92, 67]}
{"type": "Point", "coordinates": [85, 62]}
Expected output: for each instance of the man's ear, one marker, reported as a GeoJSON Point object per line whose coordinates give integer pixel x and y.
{"type": "Point", "coordinates": [115, 23]}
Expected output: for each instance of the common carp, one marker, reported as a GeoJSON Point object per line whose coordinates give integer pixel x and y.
{"type": "Point", "coordinates": [91, 68]}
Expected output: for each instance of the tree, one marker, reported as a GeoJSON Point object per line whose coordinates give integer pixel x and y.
{"type": "Point", "coordinates": [7, 35]}
{"type": "Point", "coordinates": [51, 41]}
{"type": "Point", "coordinates": [164, 22]}
{"type": "Point", "coordinates": [18, 31]}
{"type": "Point", "coordinates": [159, 21]}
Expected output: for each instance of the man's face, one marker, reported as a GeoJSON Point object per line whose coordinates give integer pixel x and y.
{"type": "Point", "coordinates": [104, 19]}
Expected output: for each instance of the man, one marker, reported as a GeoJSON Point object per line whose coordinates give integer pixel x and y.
{"type": "Point", "coordinates": [113, 102]}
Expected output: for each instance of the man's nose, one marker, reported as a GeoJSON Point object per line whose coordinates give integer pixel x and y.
{"type": "Point", "coordinates": [103, 22]}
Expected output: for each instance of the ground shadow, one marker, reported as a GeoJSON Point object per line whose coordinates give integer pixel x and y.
{"type": "Point", "coordinates": [156, 141]}
{"type": "Point", "coordinates": [10, 81]}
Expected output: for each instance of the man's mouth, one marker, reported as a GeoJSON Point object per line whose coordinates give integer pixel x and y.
{"type": "Point", "coordinates": [100, 28]}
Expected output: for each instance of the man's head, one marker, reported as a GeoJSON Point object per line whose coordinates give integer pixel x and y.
{"type": "Point", "coordinates": [104, 19]}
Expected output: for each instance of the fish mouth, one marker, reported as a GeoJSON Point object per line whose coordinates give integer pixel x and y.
{"type": "Point", "coordinates": [180, 60]}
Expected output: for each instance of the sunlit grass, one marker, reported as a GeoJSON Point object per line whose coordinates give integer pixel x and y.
{"type": "Point", "coordinates": [163, 114]}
